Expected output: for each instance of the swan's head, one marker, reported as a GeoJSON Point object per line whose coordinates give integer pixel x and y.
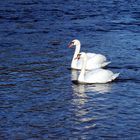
{"type": "Point", "coordinates": [81, 55]}
{"type": "Point", "coordinates": [74, 42]}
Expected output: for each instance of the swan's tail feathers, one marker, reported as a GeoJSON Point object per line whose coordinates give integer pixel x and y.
{"type": "Point", "coordinates": [115, 76]}
{"type": "Point", "coordinates": [106, 63]}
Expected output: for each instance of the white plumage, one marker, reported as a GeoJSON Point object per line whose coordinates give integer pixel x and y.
{"type": "Point", "coordinates": [94, 60]}
{"type": "Point", "coordinates": [96, 75]}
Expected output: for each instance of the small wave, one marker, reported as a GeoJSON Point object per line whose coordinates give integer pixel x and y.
{"type": "Point", "coordinates": [134, 80]}
{"type": "Point", "coordinates": [124, 67]}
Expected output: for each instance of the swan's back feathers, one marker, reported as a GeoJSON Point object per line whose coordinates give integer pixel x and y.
{"type": "Point", "coordinates": [94, 61]}
{"type": "Point", "coordinates": [100, 76]}
{"type": "Point", "coordinates": [97, 59]}
{"type": "Point", "coordinates": [100, 58]}
{"type": "Point", "coordinates": [90, 55]}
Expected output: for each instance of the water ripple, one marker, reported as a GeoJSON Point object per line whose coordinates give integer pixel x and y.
{"type": "Point", "coordinates": [38, 99]}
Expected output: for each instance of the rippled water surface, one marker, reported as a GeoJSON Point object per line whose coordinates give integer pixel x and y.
{"type": "Point", "coordinates": [38, 100]}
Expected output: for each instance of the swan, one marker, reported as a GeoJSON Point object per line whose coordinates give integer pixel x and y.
{"type": "Point", "coordinates": [94, 76]}
{"type": "Point", "coordinates": [93, 60]}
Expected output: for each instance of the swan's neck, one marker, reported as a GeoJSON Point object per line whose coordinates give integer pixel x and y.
{"type": "Point", "coordinates": [74, 61]}
{"type": "Point", "coordinates": [82, 73]}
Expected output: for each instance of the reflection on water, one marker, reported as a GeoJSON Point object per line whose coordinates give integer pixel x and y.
{"type": "Point", "coordinates": [81, 88]}
{"type": "Point", "coordinates": [84, 116]}
{"type": "Point", "coordinates": [74, 74]}
{"type": "Point", "coordinates": [100, 88]}
{"type": "Point", "coordinates": [86, 108]}
{"type": "Point", "coordinates": [38, 101]}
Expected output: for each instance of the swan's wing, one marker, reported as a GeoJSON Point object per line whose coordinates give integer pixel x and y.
{"type": "Point", "coordinates": [99, 76]}
{"type": "Point", "coordinates": [98, 58]}
{"type": "Point", "coordinates": [80, 62]}
{"type": "Point", "coordinates": [94, 61]}
{"type": "Point", "coordinates": [90, 55]}
{"type": "Point", "coordinates": [97, 61]}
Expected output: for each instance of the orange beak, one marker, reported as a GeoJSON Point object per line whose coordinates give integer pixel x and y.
{"type": "Point", "coordinates": [70, 45]}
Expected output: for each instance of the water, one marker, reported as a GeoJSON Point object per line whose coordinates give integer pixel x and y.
{"type": "Point", "coordinates": [38, 100]}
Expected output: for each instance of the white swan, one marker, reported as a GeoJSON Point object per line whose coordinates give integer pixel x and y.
{"type": "Point", "coordinates": [96, 75]}
{"type": "Point", "coordinates": [94, 60]}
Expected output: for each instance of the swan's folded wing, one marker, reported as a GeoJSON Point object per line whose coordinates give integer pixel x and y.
{"type": "Point", "coordinates": [90, 55]}
{"type": "Point", "coordinates": [98, 76]}
{"type": "Point", "coordinates": [97, 59]}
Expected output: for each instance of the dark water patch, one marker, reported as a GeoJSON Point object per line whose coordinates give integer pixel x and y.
{"type": "Point", "coordinates": [137, 16]}
{"type": "Point", "coordinates": [118, 80]}
{"type": "Point", "coordinates": [72, 69]}
{"type": "Point", "coordinates": [109, 136]}
{"type": "Point", "coordinates": [79, 17]}
{"type": "Point", "coordinates": [12, 18]}
{"type": "Point", "coordinates": [7, 85]}
{"type": "Point", "coordinates": [33, 63]}
{"type": "Point", "coordinates": [55, 10]}
{"type": "Point", "coordinates": [69, 13]}
{"type": "Point", "coordinates": [93, 15]}
{"type": "Point", "coordinates": [129, 23]}
{"type": "Point", "coordinates": [28, 32]}
{"type": "Point", "coordinates": [128, 67]}
{"type": "Point", "coordinates": [3, 68]}
{"type": "Point", "coordinates": [5, 107]}
{"type": "Point", "coordinates": [32, 32]}
{"type": "Point", "coordinates": [9, 44]}
{"type": "Point", "coordinates": [138, 49]}
{"type": "Point", "coordinates": [26, 3]}
{"type": "Point", "coordinates": [28, 69]}
{"type": "Point", "coordinates": [2, 17]}
{"type": "Point", "coordinates": [76, 82]}
{"type": "Point", "coordinates": [131, 80]}
{"type": "Point", "coordinates": [55, 42]}
{"type": "Point", "coordinates": [102, 30]}
{"type": "Point", "coordinates": [29, 25]}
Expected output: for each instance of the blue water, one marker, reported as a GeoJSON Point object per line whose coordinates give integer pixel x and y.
{"type": "Point", "coordinates": [38, 100]}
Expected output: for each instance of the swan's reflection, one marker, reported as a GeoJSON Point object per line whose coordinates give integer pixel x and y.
{"type": "Point", "coordinates": [81, 88]}
{"type": "Point", "coordinates": [84, 102]}
{"type": "Point", "coordinates": [100, 88]}
{"type": "Point", "coordinates": [83, 92]}
{"type": "Point", "coordinates": [74, 74]}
